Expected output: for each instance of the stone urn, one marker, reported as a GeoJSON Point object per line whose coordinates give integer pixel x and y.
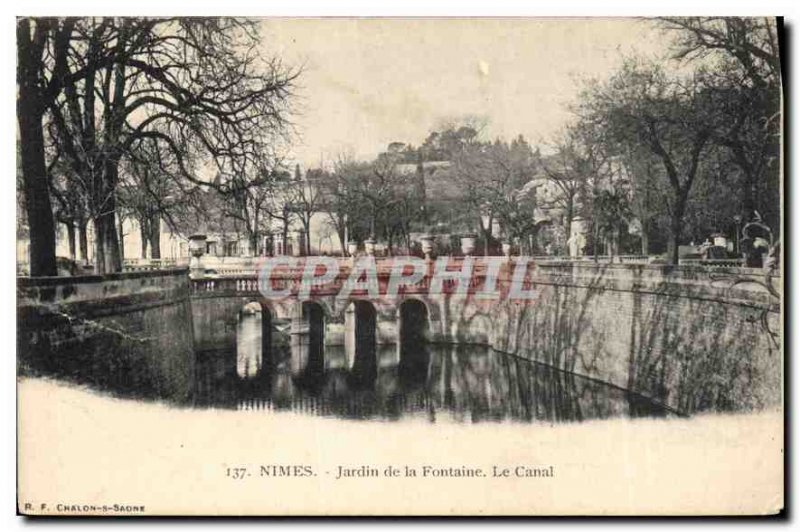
{"type": "Point", "coordinates": [369, 246]}
{"type": "Point", "coordinates": [507, 249]}
{"type": "Point", "coordinates": [468, 244]}
{"type": "Point", "coordinates": [426, 241]}
{"type": "Point", "coordinates": [197, 248]}
{"type": "Point", "coordinates": [352, 248]}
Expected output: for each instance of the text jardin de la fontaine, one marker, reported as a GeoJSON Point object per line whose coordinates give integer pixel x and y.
{"type": "Point", "coordinates": [424, 471]}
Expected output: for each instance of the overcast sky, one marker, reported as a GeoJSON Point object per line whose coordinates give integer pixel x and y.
{"type": "Point", "coordinates": [368, 82]}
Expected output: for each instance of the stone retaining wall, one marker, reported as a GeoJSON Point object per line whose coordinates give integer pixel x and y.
{"type": "Point", "coordinates": [692, 340]}
{"type": "Point", "coordinates": [129, 332]}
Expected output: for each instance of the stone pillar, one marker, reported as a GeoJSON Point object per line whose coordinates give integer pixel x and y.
{"type": "Point", "coordinates": [350, 334]}
{"type": "Point", "coordinates": [244, 248]}
{"type": "Point", "coordinates": [197, 248]}
{"type": "Point", "coordinates": [298, 340]}
{"type": "Point", "coordinates": [577, 239]}
{"type": "Point", "coordinates": [426, 241]}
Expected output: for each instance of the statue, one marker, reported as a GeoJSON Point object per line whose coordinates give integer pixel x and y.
{"type": "Point", "coordinates": [577, 240]}
{"type": "Point", "coordinates": [756, 242]}
{"type": "Point", "coordinates": [576, 243]}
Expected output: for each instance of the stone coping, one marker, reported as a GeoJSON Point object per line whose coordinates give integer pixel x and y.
{"type": "Point", "coordinates": [24, 282]}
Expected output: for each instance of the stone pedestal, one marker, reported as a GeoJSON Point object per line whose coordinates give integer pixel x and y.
{"type": "Point", "coordinates": [507, 250]}
{"type": "Point", "coordinates": [197, 248]}
{"type": "Point", "coordinates": [468, 244]}
{"type": "Point", "coordinates": [426, 241]}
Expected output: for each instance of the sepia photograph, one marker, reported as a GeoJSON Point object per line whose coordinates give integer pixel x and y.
{"type": "Point", "coordinates": [374, 266]}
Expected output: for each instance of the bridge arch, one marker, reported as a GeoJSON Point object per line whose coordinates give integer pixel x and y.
{"type": "Point", "coordinates": [410, 306]}
{"type": "Point", "coordinates": [253, 338]}
{"type": "Point", "coordinates": [361, 325]}
{"type": "Point", "coordinates": [325, 304]}
{"type": "Point", "coordinates": [414, 333]}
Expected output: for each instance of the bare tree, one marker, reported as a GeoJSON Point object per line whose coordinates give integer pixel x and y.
{"type": "Point", "coordinates": [34, 92]}
{"type": "Point", "coordinates": [186, 84]}
{"type": "Point", "coordinates": [305, 198]}
{"type": "Point", "coordinates": [671, 116]}
{"type": "Point", "coordinates": [643, 175]}
{"type": "Point", "coordinates": [494, 178]}
{"type": "Point", "coordinates": [150, 192]}
{"type": "Point", "coordinates": [341, 199]}
{"type": "Point", "coordinates": [743, 75]}
{"type": "Point", "coordinates": [570, 170]}
{"type": "Point", "coordinates": [751, 41]}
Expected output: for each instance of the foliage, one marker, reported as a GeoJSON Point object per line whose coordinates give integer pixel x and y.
{"type": "Point", "coordinates": [196, 88]}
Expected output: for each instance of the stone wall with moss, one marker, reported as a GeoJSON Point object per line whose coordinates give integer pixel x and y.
{"type": "Point", "coordinates": [693, 339]}
{"type": "Point", "coordinates": [129, 333]}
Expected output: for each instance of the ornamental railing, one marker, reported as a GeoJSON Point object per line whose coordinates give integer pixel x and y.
{"type": "Point", "coordinates": [288, 279]}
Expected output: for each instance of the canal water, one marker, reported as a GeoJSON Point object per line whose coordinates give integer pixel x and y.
{"type": "Point", "coordinates": [469, 383]}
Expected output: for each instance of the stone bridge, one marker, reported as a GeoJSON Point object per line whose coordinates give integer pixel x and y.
{"type": "Point", "coordinates": [659, 330]}
{"type": "Point", "coordinates": [691, 337]}
{"type": "Point", "coordinates": [360, 318]}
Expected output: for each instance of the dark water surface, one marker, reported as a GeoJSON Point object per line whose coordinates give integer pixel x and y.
{"type": "Point", "coordinates": [469, 383]}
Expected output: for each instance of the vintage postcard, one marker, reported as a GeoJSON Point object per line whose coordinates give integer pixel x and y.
{"type": "Point", "coordinates": [399, 266]}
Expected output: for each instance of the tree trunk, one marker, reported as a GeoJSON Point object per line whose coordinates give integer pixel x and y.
{"type": "Point", "coordinates": [144, 234]}
{"type": "Point", "coordinates": [285, 232]}
{"type": "Point", "coordinates": [121, 239]}
{"type": "Point", "coordinates": [107, 258]}
{"type": "Point", "coordinates": [255, 236]}
{"type": "Point", "coordinates": [71, 239]}
{"type": "Point", "coordinates": [252, 239]}
{"type": "Point", "coordinates": [677, 228]}
{"type": "Point", "coordinates": [645, 240]}
{"type": "Point", "coordinates": [99, 246]}
{"type": "Point", "coordinates": [105, 204]}
{"type": "Point", "coordinates": [748, 190]}
{"type": "Point", "coordinates": [34, 173]}
{"type": "Point", "coordinates": [83, 242]}
{"type": "Point", "coordinates": [111, 260]}
{"type": "Point", "coordinates": [342, 237]}
{"type": "Point", "coordinates": [155, 237]}
{"type": "Point", "coordinates": [570, 209]}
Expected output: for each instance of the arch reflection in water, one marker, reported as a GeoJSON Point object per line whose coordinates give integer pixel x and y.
{"type": "Point", "coordinates": [308, 344]}
{"type": "Point", "coordinates": [467, 383]}
{"type": "Point", "coordinates": [253, 339]}
{"type": "Point", "coordinates": [414, 354]}
{"type": "Point", "coordinates": [360, 343]}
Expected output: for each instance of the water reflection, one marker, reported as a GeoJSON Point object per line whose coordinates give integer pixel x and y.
{"type": "Point", "coordinates": [249, 353]}
{"type": "Point", "coordinates": [461, 382]}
